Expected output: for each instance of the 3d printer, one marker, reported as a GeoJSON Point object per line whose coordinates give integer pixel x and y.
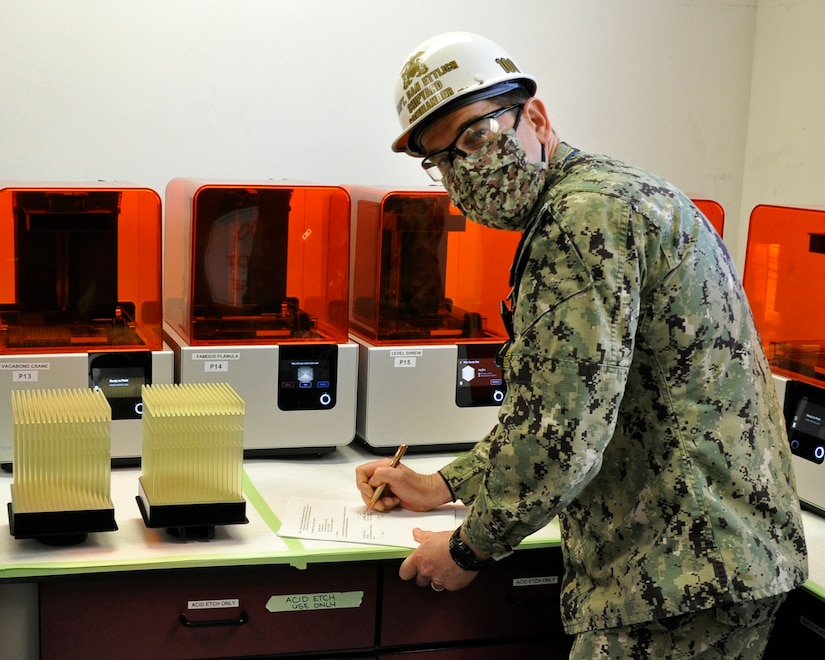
{"type": "Point", "coordinates": [256, 285]}
{"type": "Point", "coordinates": [714, 212]}
{"type": "Point", "coordinates": [785, 257]}
{"type": "Point", "coordinates": [80, 285]}
{"type": "Point", "coordinates": [426, 285]}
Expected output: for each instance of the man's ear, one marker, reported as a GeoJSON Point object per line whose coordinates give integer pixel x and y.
{"type": "Point", "coordinates": [535, 112]}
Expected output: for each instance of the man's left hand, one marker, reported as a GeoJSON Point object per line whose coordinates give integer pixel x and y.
{"type": "Point", "coordinates": [431, 564]}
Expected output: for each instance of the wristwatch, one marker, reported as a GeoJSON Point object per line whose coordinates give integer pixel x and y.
{"type": "Point", "coordinates": [463, 555]}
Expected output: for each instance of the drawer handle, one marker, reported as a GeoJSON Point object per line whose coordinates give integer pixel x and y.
{"type": "Point", "coordinates": [238, 621]}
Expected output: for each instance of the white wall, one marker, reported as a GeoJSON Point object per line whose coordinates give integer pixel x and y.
{"type": "Point", "coordinates": [785, 153]}
{"type": "Point", "coordinates": [302, 89]}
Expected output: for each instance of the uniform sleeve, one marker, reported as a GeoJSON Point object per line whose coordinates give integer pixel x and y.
{"type": "Point", "coordinates": [465, 474]}
{"type": "Point", "coordinates": [575, 320]}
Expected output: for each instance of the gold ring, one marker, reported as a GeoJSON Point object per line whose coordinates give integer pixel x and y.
{"type": "Point", "coordinates": [436, 588]}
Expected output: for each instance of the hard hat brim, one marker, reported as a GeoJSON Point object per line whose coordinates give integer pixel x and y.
{"type": "Point", "coordinates": [408, 141]}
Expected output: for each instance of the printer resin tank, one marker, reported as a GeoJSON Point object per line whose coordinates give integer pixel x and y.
{"type": "Point", "coordinates": [426, 285]}
{"type": "Point", "coordinates": [784, 262]}
{"type": "Point", "coordinates": [80, 297]}
{"type": "Point", "coordinates": [255, 295]}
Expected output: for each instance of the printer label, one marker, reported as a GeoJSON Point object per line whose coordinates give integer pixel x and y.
{"type": "Point", "coordinates": [25, 366]}
{"type": "Point", "coordinates": [402, 358]}
{"type": "Point", "coordinates": [216, 355]}
{"type": "Point", "coordinates": [24, 376]}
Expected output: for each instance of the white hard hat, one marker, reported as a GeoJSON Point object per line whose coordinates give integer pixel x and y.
{"type": "Point", "coordinates": [450, 67]}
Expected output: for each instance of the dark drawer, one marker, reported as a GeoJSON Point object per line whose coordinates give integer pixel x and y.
{"type": "Point", "coordinates": [800, 625]}
{"type": "Point", "coordinates": [518, 597]}
{"type": "Point", "coordinates": [547, 649]}
{"type": "Point", "coordinates": [139, 614]}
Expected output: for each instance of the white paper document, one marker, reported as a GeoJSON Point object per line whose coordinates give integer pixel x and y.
{"type": "Point", "coordinates": [334, 520]}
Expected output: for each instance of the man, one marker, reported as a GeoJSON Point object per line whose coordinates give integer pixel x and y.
{"type": "Point", "coordinates": [640, 406]}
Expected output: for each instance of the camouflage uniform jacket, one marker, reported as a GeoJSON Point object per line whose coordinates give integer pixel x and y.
{"type": "Point", "coordinates": [640, 410]}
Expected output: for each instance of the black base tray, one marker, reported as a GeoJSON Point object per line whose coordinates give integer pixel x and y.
{"type": "Point", "coordinates": [190, 521]}
{"type": "Point", "coordinates": [60, 527]}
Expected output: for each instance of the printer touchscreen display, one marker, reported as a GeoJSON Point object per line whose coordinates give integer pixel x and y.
{"type": "Point", "coordinates": [808, 430]}
{"type": "Point", "coordinates": [479, 381]}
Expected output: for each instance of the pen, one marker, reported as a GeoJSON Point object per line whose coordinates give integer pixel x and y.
{"type": "Point", "coordinates": [395, 461]}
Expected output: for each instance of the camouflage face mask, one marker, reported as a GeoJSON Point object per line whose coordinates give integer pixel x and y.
{"type": "Point", "coordinates": [496, 186]}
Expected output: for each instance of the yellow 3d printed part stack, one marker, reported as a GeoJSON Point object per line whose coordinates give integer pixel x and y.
{"type": "Point", "coordinates": [192, 458]}
{"type": "Point", "coordinates": [62, 465]}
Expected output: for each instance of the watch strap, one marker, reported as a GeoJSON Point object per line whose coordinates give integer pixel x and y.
{"type": "Point", "coordinates": [464, 556]}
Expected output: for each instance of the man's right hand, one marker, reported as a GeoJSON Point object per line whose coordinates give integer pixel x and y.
{"type": "Point", "coordinates": [404, 487]}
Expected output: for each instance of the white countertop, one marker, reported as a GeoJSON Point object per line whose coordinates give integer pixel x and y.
{"type": "Point", "coordinates": [268, 483]}
{"type": "Point", "coordinates": [815, 537]}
